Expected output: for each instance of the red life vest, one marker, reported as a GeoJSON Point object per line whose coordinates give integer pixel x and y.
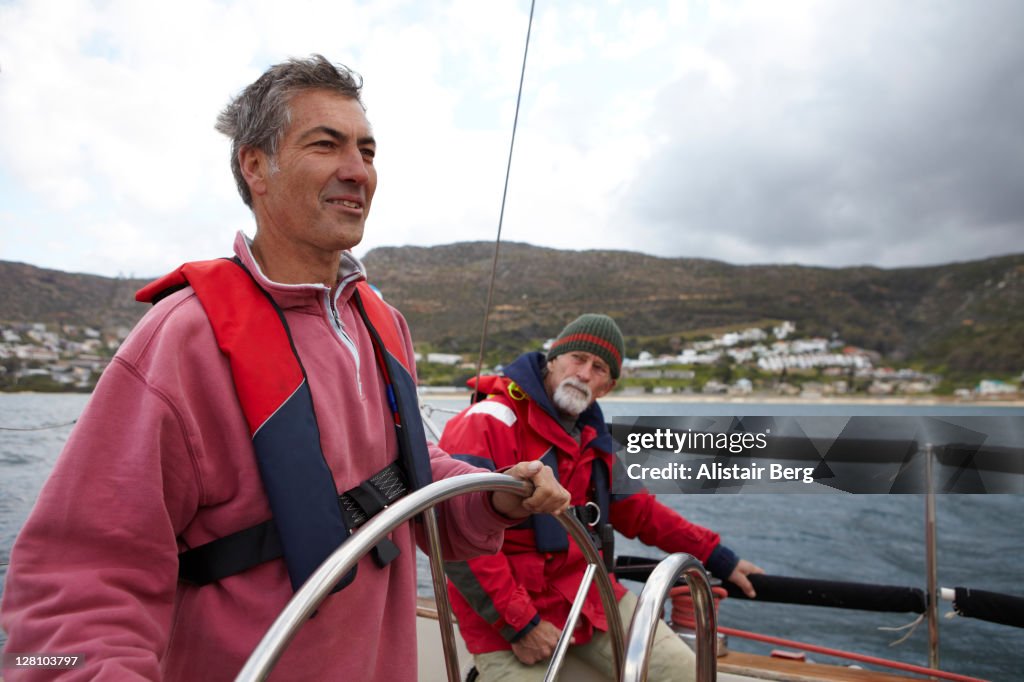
{"type": "Point", "coordinates": [274, 394]}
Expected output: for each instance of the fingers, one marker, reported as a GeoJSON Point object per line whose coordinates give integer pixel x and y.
{"type": "Point", "coordinates": [526, 656]}
{"type": "Point", "coordinates": [543, 495]}
{"type": "Point", "coordinates": [739, 577]}
{"type": "Point", "coordinates": [524, 471]}
{"type": "Point", "coordinates": [747, 568]}
{"type": "Point", "coordinates": [741, 582]}
{"type": "Point", "coordinates": [548, 497]}
{"type": "Point", "coordinates": [538, 644]}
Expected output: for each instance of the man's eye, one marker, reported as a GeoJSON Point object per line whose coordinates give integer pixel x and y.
{"type": "Point", "coordinates": [369, 153]}
{"type": "Point", "coordinates": [326, 144]}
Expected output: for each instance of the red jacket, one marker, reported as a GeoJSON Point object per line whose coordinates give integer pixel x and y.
{"type": "Point", "coordinates": [501, 597]}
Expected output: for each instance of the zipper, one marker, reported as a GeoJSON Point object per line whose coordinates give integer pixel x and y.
{"type": "Point", "coordinates": [346, 340]}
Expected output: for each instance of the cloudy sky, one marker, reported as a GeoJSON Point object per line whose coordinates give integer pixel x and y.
{"type": "Point", "coordinates": [824, 133]}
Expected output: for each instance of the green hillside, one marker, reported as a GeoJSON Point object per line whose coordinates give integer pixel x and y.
{"type": "Point", "coordinates": [958, 317]}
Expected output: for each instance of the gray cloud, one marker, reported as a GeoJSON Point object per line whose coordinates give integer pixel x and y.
{"type": "Point", "coordinates": [897, 139]}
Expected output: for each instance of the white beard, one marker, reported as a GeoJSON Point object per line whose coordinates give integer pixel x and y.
{"type": "Point", "coordinates": [570, 400]}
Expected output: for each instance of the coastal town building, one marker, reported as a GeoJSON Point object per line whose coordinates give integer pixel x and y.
{"type": "Point", "coordinates": [34, 356]}
{"type": "Point", "coordinates": [67, 357]}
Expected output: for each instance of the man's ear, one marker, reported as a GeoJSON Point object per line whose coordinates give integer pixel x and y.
{"type": "Point", "coordinates": [255, 165]}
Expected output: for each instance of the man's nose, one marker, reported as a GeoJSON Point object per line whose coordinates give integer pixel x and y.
{"type": "Point", "coordinates": [352, 167]}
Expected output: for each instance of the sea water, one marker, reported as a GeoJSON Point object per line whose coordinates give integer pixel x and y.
{"type": "Point", "coordinates": [876, 539]}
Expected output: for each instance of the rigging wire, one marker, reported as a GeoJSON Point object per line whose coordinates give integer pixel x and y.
{"type": "Point", "coordinates": [41, 427]}
{"type": "Point", "coordinates": [504, 195]}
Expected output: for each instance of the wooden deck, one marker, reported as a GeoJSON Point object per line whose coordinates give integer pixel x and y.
{"type": "Point", "coordinates": [770, 668]}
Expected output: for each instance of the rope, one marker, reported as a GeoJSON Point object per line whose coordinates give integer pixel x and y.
{"type": "Point", "coordinates": [683, 613]}
{"type": "Point", "coordinates": [431, 409]}
{"type": "Point", "coordinates": [504, 195]}
{"type": "Point", "coordinates": [38, 428]}
{"type": "Point", "coordinates": [910, 627]}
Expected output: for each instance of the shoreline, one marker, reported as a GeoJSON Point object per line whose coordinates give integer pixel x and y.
{"type": "Point", "coordinates": [769, 398]}
{"type": "Point", "coordinates": [753, 398]}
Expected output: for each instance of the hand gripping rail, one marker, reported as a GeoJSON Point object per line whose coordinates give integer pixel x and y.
{"type": "Point", "coordinates": [648, 613]}
{"type": "Point", "coordinates": [316, 588]}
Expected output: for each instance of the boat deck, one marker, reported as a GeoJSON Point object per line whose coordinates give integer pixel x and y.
{"type": "Point", "coordinates": [735, 666]}
{"type": "Point", "coordinates": [752, 666]}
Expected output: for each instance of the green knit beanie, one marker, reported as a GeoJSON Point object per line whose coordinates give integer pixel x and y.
{"type": "Point", "coordinates": [597, 334]}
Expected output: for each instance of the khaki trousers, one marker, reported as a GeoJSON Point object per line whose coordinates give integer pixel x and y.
{"type": "Point", "coordinates": [671, 658]}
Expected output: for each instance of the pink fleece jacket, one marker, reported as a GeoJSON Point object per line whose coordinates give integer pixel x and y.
{"type": "Point", "coordinates": [161, 460]}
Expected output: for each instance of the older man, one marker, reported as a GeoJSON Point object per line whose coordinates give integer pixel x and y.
{"type": "Point", "coordinates": [201, 485]}
{"type": "Point", "coordinates": [512, 606]}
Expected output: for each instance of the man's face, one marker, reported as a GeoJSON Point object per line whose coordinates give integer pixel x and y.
{"type": "Point", "coordinates": [316, 192]}
{"type": "Point", "coordinates": [576, 379]}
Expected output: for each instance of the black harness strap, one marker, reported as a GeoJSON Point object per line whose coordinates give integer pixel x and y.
{"type": "Point", "coordinates": [372, 495]}
{"type": "Point", "coordinates": [230, 554]}
{"type": "Point", "coordinates": [257, 544]}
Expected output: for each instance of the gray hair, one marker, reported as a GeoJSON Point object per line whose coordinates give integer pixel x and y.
{"type": "Point", "coordinates": [259, 115]}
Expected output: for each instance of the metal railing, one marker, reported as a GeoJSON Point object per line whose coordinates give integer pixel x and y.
{"type": "Point", "coordinates": [648, 614]}
{"type": "Point", "coordinates": [318, 586]}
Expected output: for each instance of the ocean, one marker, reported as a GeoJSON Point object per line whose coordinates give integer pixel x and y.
{"type": "Point", "coordinates": [876, 539]}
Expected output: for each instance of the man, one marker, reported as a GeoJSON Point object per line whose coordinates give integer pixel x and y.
{"type": "Point", "coordinates": [512, 606]}
{"type": "Point", "coordinates": [256, 388]}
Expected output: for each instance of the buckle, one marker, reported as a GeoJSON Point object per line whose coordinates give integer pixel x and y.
{"type": "Point", "coordinates": [366, 500]}
{"type": "Point", "coordinates": [589, 514]}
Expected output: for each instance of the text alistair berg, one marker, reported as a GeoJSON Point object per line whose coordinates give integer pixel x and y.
{"type": "Point", "coordinates": [734, 443]}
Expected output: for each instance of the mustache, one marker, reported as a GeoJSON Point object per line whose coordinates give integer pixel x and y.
{"type": "Point", "coordinates": [578, 385]}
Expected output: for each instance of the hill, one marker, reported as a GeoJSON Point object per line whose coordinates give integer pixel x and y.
{"type": "Point", "coordinates": [955, 317]}
{"type": "Point", "coordinates": [32, 294]}
{"type": "Point", "coordinates": [959, 316]}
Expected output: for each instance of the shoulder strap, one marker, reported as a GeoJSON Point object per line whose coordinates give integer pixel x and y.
{"type": "Point", "coordinates": [396, 369]}
{"type": "Point", "coordinates": [272, 389]}
{"type": "Point", "coordinates": [265, 374]}
{"type": "Point", "coordinates": [383, 322]}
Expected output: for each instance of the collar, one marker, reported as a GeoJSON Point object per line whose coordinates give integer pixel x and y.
{"type": "Point", "coordinates": [528, 372]}
{"type": "Point", "coordinates": [350, 271]}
